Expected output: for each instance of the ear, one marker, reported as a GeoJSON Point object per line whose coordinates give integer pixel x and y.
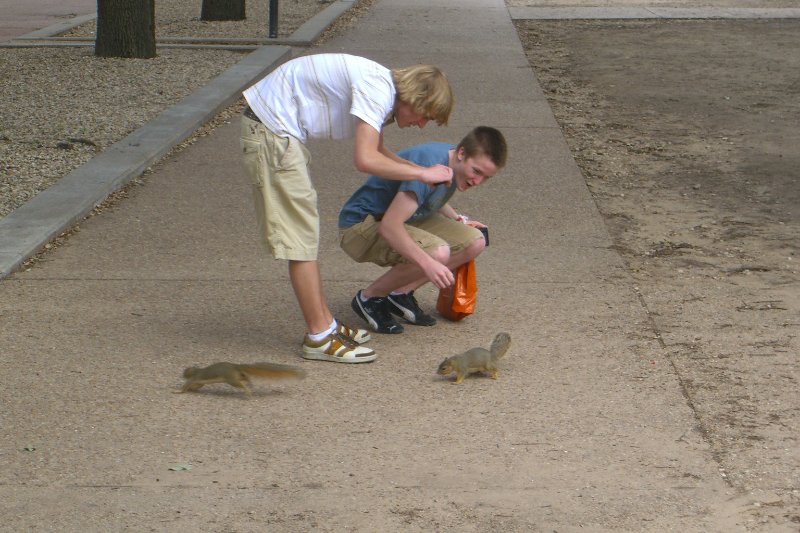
{"type": "Point", "coordinates": [460, 154]}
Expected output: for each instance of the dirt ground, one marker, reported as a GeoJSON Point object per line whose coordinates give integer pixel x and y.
{"type": "Point", "coordinates": [686, 132]}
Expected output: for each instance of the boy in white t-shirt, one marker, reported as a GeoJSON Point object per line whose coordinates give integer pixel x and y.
{"type": "Point", "coordinates": [334, 96]}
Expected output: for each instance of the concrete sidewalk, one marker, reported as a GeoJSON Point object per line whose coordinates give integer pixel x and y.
{"type": "Point", "coordinates": [586, 429]}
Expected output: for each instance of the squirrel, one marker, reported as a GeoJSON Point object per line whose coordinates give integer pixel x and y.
{"type": "Point", "coordinates": [236, 375]}
{"type": "Point", "coordinates": [476, 359]}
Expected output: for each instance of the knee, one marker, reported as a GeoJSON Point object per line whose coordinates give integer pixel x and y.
{"type": "Point", "coordinates": [441, 254]}
{"type": "Point", "coordinates": [475, 248]}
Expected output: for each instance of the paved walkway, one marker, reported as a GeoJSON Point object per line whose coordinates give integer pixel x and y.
{"type": "Point", "coordinates": [587, 429]}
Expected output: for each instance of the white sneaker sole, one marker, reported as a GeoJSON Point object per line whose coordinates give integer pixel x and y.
{"type": "Point", "coordinates": [320, 356]}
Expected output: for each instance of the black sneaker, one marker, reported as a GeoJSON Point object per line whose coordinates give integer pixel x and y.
{"type": "Point", "coordinates": [376, 312]}
{"type": "Point", "coordinates": [406, 306]}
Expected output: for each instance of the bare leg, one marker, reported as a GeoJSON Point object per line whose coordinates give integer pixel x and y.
{"type": "Point", "coordinates": [406, 277]}
{"type": "Point", "coordinates": [397, 276]}
{"type": "Point", "coordinates": [307, 285]}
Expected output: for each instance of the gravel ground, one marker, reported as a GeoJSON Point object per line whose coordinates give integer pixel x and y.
{"type": "Point", "coordinates": [59, 107]}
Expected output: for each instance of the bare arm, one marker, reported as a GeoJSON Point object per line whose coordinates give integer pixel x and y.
{"type": "Point", "coordinates": [393, 156]}
{"type": "Point", "coordinates": [373, 158]}
{"type": "Point", "coordinates": [449, 212]}
{"type": "Point", "coordinates": [392, 228]}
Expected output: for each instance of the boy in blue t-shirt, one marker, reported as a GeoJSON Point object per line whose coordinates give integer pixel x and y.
{"type": "Point", "coordinates": [410, 227]}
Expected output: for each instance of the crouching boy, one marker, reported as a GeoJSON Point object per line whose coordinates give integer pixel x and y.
{"type": "Point", "coordinates": [410, 227]}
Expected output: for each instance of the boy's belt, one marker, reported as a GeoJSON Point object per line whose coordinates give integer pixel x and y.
{"type": "Point", "coordinates": [249, 114]}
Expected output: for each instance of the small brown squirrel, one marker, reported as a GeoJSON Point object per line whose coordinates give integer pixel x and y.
{"type": "Point", "coordinates": [476, 359]}
{"type": "Point", "coordinates": [236, 375]}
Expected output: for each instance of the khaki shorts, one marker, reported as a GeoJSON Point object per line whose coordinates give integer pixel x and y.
{"type": "Point", "coordinates": [285, 199]}
{"type": "Point", "coordinates": [362, 242]}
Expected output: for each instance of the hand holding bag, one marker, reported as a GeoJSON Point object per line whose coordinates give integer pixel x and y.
{"type": "Point", "coordinates": [458, 301]}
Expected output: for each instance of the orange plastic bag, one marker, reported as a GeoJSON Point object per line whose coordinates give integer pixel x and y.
{"type": "Point", "coordinates": [458, 301]}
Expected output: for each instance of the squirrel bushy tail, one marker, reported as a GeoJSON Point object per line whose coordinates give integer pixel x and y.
{"type": "Point", "coordinates": [271, 370]}
{"type": "Point", "coordinates": [500, 345]}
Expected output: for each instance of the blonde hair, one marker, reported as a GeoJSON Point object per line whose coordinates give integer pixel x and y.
{"type": "Point", "coordinates": [426, 89]}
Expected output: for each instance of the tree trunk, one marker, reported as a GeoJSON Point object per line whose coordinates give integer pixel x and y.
{"type": "Point", "coordinates": [223, 10]}
{"type": "Point", "coordinates": [126, 28]}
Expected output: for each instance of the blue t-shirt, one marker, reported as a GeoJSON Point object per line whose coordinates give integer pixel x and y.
{"type": "Point", "coordinates": [374, 197]}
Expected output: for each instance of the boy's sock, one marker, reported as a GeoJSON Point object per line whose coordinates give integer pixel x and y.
{"type": "Point", "coordinates": [316, 337]}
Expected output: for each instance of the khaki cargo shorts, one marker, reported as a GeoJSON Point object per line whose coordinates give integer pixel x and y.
{"type": "Point", "coordinates": [285, 199]}
{"type": "Point", "coordinates": [364, 245]}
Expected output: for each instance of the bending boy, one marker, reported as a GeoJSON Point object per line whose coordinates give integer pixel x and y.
{"type": "Point", "coordinates": [410, 227]}
{"type": "Point", "coordinates": [334, 96]}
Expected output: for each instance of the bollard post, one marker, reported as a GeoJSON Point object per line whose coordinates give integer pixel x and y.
{"type": "Point", "coordinates": [273, 19]}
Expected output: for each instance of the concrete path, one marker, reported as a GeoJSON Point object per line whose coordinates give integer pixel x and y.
{"type": "Point", "coordinates": [586, 429]}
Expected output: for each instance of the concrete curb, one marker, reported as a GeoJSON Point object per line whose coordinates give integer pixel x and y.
{"type": "Point", "coordinates": [305, 35]}
{"type": "Point", "coordinates": [58, 28]}
{"type": "Point", "coordinates": [27, 229]}
{"type": "Point", "coordinates": [47, 43]}
{"type": "Point", "coordinates": [313, 27]}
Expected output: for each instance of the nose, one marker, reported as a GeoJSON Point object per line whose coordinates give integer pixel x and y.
{"type": "Point", "coordinates": [475, 180]}
{"type": "Point", "coordinates": [422, 122]}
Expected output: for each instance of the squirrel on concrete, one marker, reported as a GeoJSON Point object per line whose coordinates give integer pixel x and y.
{"type": "Point", "coordinates": [236, 375]}
{"type": "Point", "coordinates": [476, 359]}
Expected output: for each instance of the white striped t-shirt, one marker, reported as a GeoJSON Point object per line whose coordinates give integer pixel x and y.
{"type": "Point", "coordinates": [319, 96]}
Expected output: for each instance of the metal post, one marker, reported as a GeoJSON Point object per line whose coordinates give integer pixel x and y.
{"type": "Point", "coordinates": [273, 19]}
